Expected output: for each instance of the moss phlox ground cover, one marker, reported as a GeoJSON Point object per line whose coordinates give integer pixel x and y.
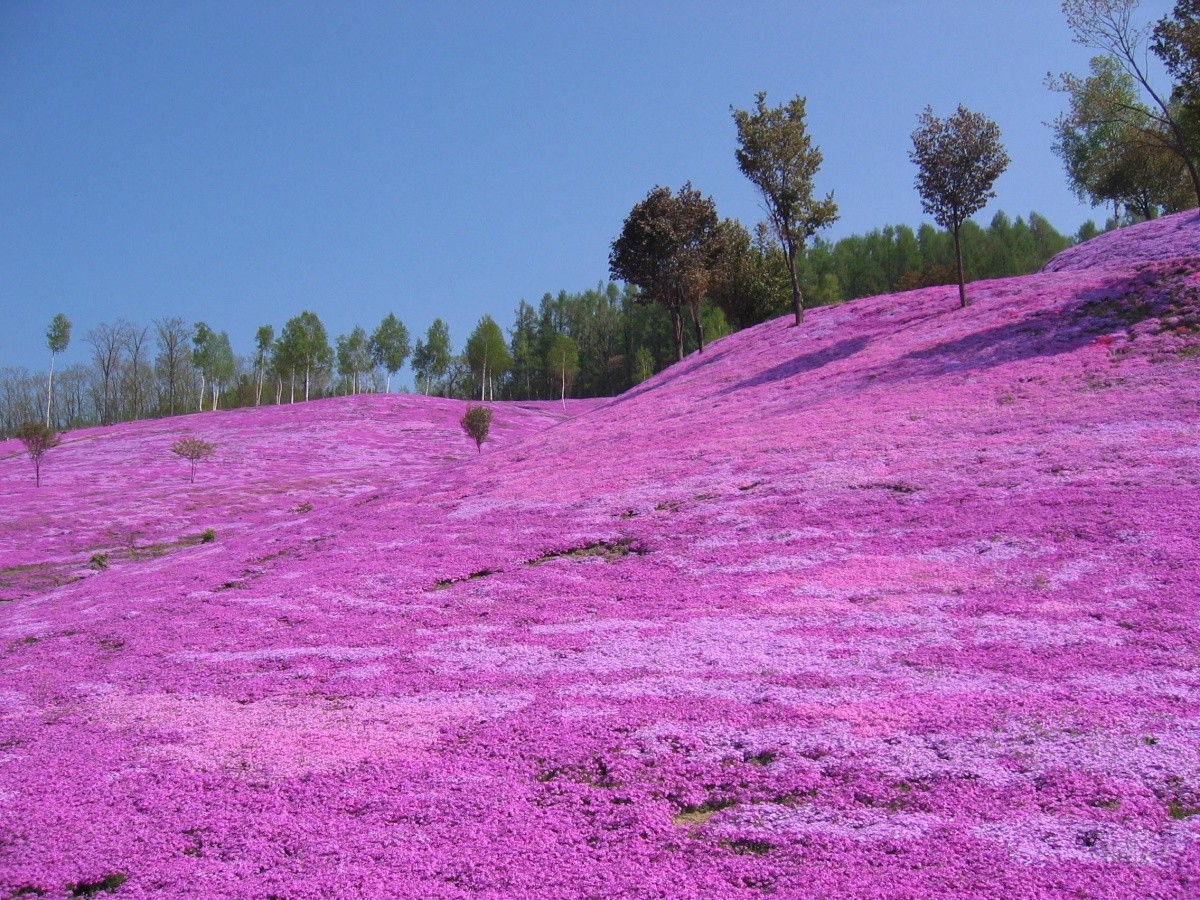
{"type": "Point", "coordinates": [901, 602]}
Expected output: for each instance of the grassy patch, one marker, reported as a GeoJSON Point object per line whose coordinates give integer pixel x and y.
{"type": "Point", "coordinates": [606, 550]}
{"type": "Point", "coordinates": [107, 884]}
{"type": "Point", "coordinates": [1178, 811]}
{"type": "Point", "coordinates": [701, 813]}
{"type": "Point", "coordinates": [442, 583]}
{"type": "Point", "coordinates": [745, 846]}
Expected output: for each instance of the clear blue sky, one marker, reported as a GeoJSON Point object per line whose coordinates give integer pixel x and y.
{"type": "Point", "coordinates": [238, 162]}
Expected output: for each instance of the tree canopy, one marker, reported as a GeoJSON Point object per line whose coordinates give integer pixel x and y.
{"type": "Point", "coordinates": [670, 247]}
{"type": "Point", "coordinates": [776, 153]}
{"type": "Point", "coordinates": [958, 160]}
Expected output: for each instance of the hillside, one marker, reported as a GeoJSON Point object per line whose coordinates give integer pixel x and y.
{"type": "Point", "coordinates": [901, 602]}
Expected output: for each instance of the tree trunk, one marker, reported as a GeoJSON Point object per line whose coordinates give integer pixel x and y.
{"type": "Point", "coordinates": [49, 389]}
{"type": "Point", "coordinates": [677, 322]}
{"type": "Point", "coordinates": [203, 385]}
{"type": "Point", "coordinates": [789, 247]}
{"type": "Point", "coordinates": [699, 328]}
{"type": "Point", "coordinates": [962, 279]}
{"type": "Point", "coordinates": [306, 379]}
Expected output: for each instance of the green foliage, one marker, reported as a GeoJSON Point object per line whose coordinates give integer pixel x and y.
{"type": "Point", "coordinates": [671, 248]}
{"type": "Point", "coordinates": [776, 153]}
{"type": "Point", "coordinates": [487, 355]}
{"type": "Point", "coordinates": [958, 160]}
{"type": "Point", "coordinates": [643, 365]}
{"type": "Point", "coordinates": [1123, 136]}
{"type": "Point", "coordinates": [99, 562]}
{"type": "Point", "coordinates": [303, 350]}
{"type": "Point", "coordinates": [432, 356]}
{"type": "Point", "coordinates": [58, 335]}
{"type": "Point", "coordinates": [562, 361]}
{"type": "Point", "coordinates": [193, 450]}
{"type": "Point", "coordinates": [1113, 149]}
{"type": "Point", "coordinates": [208, 536]}
{"type": "Point", "coordinates": [38, 438]}
{"type": "Point", "coordinates": [389, 346]}
{"type": "Point", "coordinates": [354, 357]}
{"type": "Point", "coordinates": [1177, 44]}
{"type": "Point", "coordinates": [476, 422]}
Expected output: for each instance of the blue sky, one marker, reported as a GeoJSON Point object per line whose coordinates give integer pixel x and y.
{"type": "Point", "coordinates": [238, 162]}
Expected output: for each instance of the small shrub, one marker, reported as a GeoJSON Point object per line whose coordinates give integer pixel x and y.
{"type": "Point", "coordinates": [207, 536]}
{"type": "Point", "coordinates": [193, 450]}
{"type": "Point", "coordinates": [99, 562]}
{"type": "Point", "coordinates": [476, 422]}
{"type": "Point", "coordinates": [37, 438]}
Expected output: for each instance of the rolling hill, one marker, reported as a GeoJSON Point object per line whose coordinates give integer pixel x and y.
{"type": "Point", "coordinates": [900, 602]}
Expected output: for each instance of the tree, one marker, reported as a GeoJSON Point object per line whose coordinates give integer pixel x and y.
{"type": "Point", "coordinates": [487, 355]}
{"type": "Point", "coordinates": [776, 153]}
{"type": "Point", "coordinates": [354, 356]}
{"type": "Point", "coordinates": [1177, 44]}
{"type": "Point", "coordinates": [263, 338]}
{"type": "Point", "coordinates": [431, 357]}
{"type": "Point", "coordinates": [754, 285]}
{"type": "Point", "coordinates": [138, 373]}
{"type": "Point", "coordinates": [213, 355]}
{"type": "Point", "coordinates": [172, 361]}
{"type": "Point", "coordinates": [107, 342]}
{"type": "Point", "coordinates": [193, 450]}
{"type": "Point", "coordinates": [1167, 121]}
{"type": "Point", "coordinates": [305, 347]}
{"type": "Point", "coordinates": [670, 247]}
{"type": "Point", "coordinates": [58, 336]}
{"type": "Point", "coordinates": [476, 422]}
{"type": "Point", "coordinates": [389, 346]}
{"type": "Point", "coordinates": [563, 362]}
{"type": "Point", "coordinates": [1113, 149]}
{"type": "Point", "coordinates": [37, 438]}
{"type": "Point", "coordinates": [958, 160]}
{"type": "Point", "coordinates": [643, 365]}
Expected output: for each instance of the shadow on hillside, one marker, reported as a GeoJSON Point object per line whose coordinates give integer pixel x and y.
{"type": "Point", "coordinates": [1116, 303]}
{"type": "Point", "coordinates": [807, 362]}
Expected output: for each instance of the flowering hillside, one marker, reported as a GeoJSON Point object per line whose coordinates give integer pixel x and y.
{"type": "Point", "coordinates": [902, 602]}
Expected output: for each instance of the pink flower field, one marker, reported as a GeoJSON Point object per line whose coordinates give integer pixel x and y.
{"type": "Point", "coordinates": [904, 602]}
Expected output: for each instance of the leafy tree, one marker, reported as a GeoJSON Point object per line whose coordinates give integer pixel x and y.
{"type": "Point", "coordinates": [1167, 121]}
{"type": "Point", "coordinates": [193, 450]}
{"type": "Point", "coordinates": [776, 153]}
{"type": "Point", "coordinates": [670, 247]}
{"type": "Point", "coordinates": [1177, 44]}
{"type": "Point", "coordinates": [643, 365]}
{"type": "Point", "coordinates": [305, 348]}
{"type": "Point", "coordinates": [213, 355]}
{"type": "Point", "coordinates": [754, 285]}
{"type": "Point", "coordinates": [431, 356]}
{"type": "Point", "coordinates": [958, 160]}
{"type": "Point", "coordinates": [37, 438]}
{"type": "Point", "coordinates": [523, 350]}
{"type": "Point", "coordinates": [1113, 149]}
{"type": "Point", "coordinates": [58, 336]}
{"type": "Point", "coordinates": [354, 356]}
{"type": "Point", "coordinates": [476, 422]}
{"type": "Point", "coordinates": [487, 355]}
{"type": "Point", "coordinates": [263, 338]}
{"type": "Point", "coordinates": [562, 360]}
{"type": "Point", "coordinates": [389, 346]}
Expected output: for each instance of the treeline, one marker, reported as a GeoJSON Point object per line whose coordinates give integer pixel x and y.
{"type": "Point", "coordinates": [598, 342]}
